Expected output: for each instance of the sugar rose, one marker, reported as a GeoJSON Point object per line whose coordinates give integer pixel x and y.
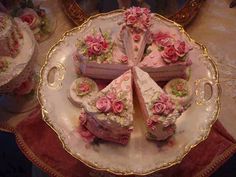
{"type": "Point", "coordinates": [103, 104]}
{"type": "Point", "coordinates": [169, 54]}
{"type": "Point", "coordinates": [30, 17]}
{"type": "Point", "coordinates": [117, 106]}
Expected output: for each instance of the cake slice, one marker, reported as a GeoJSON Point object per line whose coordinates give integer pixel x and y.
{"type": "Point", "coordinates": [166, 58]}
{"type": "Point", "coordinates": [159, 110]}
{"type": "Point", "coordinates": [109, 115]}
{"type": "Point", "coordinates": [135, 32]}
{"type": "Point", "coordinates": [101, 56]}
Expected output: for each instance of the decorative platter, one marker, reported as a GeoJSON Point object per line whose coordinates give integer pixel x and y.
{"type": "Point", "coordinates": [140, 157]}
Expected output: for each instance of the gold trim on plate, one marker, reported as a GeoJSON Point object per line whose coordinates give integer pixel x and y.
{"type": "Point", "coordinates": [164, 165]}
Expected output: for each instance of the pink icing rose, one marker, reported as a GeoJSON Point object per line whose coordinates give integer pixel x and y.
{"type": "Point", "coordinates": [169, 54]}
{"type": "Point", "coordinates": [131, 19]}
{"type": "Point", "coordinates": [84, 87]}
{"type": "Point", "coordinates": [137, 18]}
{"type": "Point", "coordinates": [111, 96]}
{"type": "Point", "coordinates": [163, 39]}
{"type": "Point", "coordinates": [25, 88]}
{"type": "Point", "coordinates": [181, 48]}
{"type": "Point", "coordinates": [158, 108]}
{"type": "Point", "coordinates": [124, 59]}
{"type": "Point", "coordinates": [136, 37]}
{"type": "Point", "coordinates": [117, 106]}
{"type": "Point", "coordinates": [95, 49]}
{"type": "Point", "coordinates": [103, 104]}
{"type": "Point", "coordinates": [163, 106]}
{"type": "Point", "coordinates": [96, 44]}
{"type": "Point", "coordinates": [30, 17]}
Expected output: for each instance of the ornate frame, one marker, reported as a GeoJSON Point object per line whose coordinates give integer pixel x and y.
{"type": "Point", "coordinates": [184, 16]}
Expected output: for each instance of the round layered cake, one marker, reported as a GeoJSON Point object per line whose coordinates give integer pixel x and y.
{"type": "Point", "coordinates": [17, 53]}
{"type": "Point", "coordinates": [10, 36]}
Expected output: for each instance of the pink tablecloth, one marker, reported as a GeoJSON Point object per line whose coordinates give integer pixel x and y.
{"type": "Point", "coordinates": [40, 145]}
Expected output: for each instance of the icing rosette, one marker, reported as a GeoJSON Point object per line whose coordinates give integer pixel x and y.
{"type": "Point", "coordinates": [138, 18]}
{"type": "Point", "coordinates": [172, 50]}
{"type": "Point", "coordinates": [31, 18]}
{"type": "Point", "coordinates": [180, 91]}
{"type": "Point", "coordinates": [110, 103]}
{"type": "Point", "coordinates": [164, 111]}
{"type": "Point", "coordinates": [97, 47]}
{"type": "Point", "coordinates": [81, 90]}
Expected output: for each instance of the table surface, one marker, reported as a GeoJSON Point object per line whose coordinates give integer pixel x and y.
{"type": "Point", "coordinates": [214, 26]}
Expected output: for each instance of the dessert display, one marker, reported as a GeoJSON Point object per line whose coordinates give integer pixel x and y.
{"type": "Point", "coordinates": [159, 109]}
{"type": "Point", "coordinates": [81, 90]}
{"type": "Point", "coordinates": [161, 55]}
{"type": "Point", "coordinates": [180, 91]}
{"type": "Point", "coordinates": [139, 43]}
{"type": "Point", "coordinates": [111, 129]}
{"type": "Point", "coordinates": [109, 115]}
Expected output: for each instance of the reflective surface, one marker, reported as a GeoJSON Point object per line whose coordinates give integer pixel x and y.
{"type": "Point", "coordinates": [163, 7]}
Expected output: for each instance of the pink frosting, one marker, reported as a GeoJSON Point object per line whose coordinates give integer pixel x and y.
{"type": "Point", "coordinates": [96, 44]}
{"type": "Point", "coordinates": [83, 131]}
{"type": "Point", "coordinates": [111, 96]}
{"type": "Point", "coordinates": [163, 39]}
{"type": "Point", "coordinates": [30, 17]}
{"type": "Point", "coordinates": [103, 104]}
{"type": "Point", "coordinates": [181, 48]}
{"type": "Point", "coordinates": [169, 54]}
{"type": "Point", "coordinates": [117, 106]}
{"type": "Point", "coordinates": [136, 37]}
{"type": "Point", "coordinates": [163, 106]}
{"type": "Point", "coordinates": [84, 87]}
{"type": "Point", "coordinates": [138, 18]}
{"type": "Point", "coordinates": [124, 59]}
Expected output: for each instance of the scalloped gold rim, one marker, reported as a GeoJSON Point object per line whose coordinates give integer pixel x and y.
{"type": "Point", "coordinates": [165, 165]}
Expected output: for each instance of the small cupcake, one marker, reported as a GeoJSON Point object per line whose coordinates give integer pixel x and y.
{"type": "Point", "coordinates": [81, 90]}
{"type": "Point", "coordinates": [180, 91]}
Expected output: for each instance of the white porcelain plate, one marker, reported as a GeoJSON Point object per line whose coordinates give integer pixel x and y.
{"type": "Point", "coordinates": [139, 156]}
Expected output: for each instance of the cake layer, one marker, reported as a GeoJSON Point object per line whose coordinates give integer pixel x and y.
{"type": "Point", "coordinates": [167, 73]}
{"type": "Point", "coordinates": [106, 133]}
{"type": "Point", "coordinates": [102, 71]}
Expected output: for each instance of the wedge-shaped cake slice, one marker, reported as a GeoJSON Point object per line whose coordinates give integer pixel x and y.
{"type": "Point", "coordinates": [135, 32]}
{"type": "Point", "coordinates": [109, 115]}
{"type": "Point", "coordinates": [166, 58]}
{"type": "Point", "coordinates": [159, 110]}
{"type": "Point", "coordinates": [101, 55]}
